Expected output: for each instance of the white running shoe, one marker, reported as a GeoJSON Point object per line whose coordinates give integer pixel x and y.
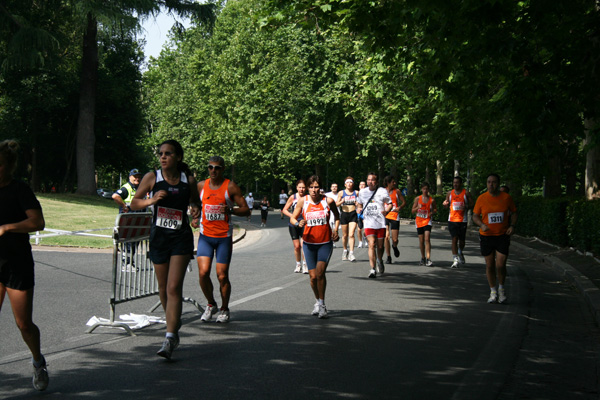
{"type": "Point", "coordinates": [345, 255]}
{"type": "Point", "coordinates": [323, 312]}
{"type": "Point", "coordinates": [429, 263]}
{"type": "Point", "coordinates": [351, 257]}
{"type": "Point", "coordinates": [40, 377]}
{"type": "Point", "coordinates": [360, 244]}
{"type": "Point", "coordinates": [209, 311]}
{"type": "Point", "coordinates": [298, 268]}
{"type": "Point", "coordinates": [372, 274]}
{"type": "Point", "coordinates": [304, 268]}
{"type": "Point", "coordinates": [455, 263]}
{"type": "Point", "coordinates": [493, 297]}
{"type": "Point", "coordinates": [461, 256]}
{"type": "Point", "coordinates": [501, 296]}
{"type": "Point", "coordinates": [315, 310]}
{"type": "Point", "coordinates": [169, 344]}
{"type": "Point", "coordinates": [223, 316]}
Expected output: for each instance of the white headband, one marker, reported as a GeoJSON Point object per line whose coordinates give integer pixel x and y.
{"type": "Point", "coordinates": [348, 180]}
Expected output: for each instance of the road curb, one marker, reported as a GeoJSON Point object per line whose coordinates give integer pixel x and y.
{"type": "Point", "coordinates": [589, 291]}
{"type": "Point", "coordinates": [239, 235]}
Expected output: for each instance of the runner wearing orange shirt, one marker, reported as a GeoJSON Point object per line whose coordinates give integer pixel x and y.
{"type": "Point", "coordinates": [424, 206]}
{"type": "Point", "coordinates": [318, 237]}
{"type": "Point", "coordinates": [492, 213]}
{"type": "Point", "coordinates": [392, 219]}
{"type": "Point", "coordinates": [218, 196]}
{"type": "Point", "coordinates": [459, 200]}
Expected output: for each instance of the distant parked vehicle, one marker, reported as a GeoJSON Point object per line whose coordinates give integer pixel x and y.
{"type": "Point", "coordinates": [107, 194]}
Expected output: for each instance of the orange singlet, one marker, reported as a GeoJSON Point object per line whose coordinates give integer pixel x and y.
{"type": "Point", "coordinates": [423, 212]}
{"type": "Point", "coordinates": [317, 229]}
{"type": "Point", "coordinates": [458, 206]}
{"type": "Point", "coordinates": [393, 215]}
{"type": "Point", "coordinates": [213, 222]}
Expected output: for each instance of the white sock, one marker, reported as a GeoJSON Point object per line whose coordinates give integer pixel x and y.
{"type": "Point", "coordinates": [321, 302]}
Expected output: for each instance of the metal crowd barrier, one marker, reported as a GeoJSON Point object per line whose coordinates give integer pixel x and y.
{"type": "Point", "coordinates": [133, 274]}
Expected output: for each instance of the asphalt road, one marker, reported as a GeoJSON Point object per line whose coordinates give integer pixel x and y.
{"type": "Point", "coordinates": [414, 333]}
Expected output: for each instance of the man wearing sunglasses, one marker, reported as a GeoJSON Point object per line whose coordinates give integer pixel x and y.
{"type": "Point", "coordinates": [218, 196]}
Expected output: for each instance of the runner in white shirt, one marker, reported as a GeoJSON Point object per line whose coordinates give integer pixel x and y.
{"type": "Point", "coordinates": [374, 203]}
{"type": "Point", "coordinates": [283, 198]}
{"type": "Point", "coordinates": [250, 202]}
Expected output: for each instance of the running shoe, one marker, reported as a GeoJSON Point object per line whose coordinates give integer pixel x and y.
{"type": "Point", "coordinates": [360, 244]}
{"type": "Point", "coordinates": [223, 316]}
{"type": "Point", "coordinates": [209, 311]}
{"type": "Point", "coordinates": [334, 246]}
{"type": "Point", "coordinates": [461, 256]}
{"type": "Point", "coordinates": [388, 260]}
{"type": "Point", "coordinates": [396, 251]}
{"type": "Point", "coordinates": [380, 267]}
{"type": "Point", "coordinates": [423, 261]}
{"type": "Point", "coordinates": [315, 310]}
{"type": "Point", "coordinates": [298, 268]}
{"type": "Point", "coordinates": [372, 274]}
{"type": "Point", "coordinates": [351, 257]}
{"type": "Point", "coordinates": [501, 296]}
{"type": "Point", "coordinates": [169, 344]}
{"type": "Point", "coordinates": [455, 263]}
{"type": "Point", "coordinates": [429, 263]}
{"type": "Point", "coordinates": [345, 255]}
{"type": "Point", "coordinates": [323, 312]}
{"type": "Point", "coordinates": [304, 268]}
{"type": "Point", "coordinates": [493, 297]}
{"type": "Point", "coordinates": [40, 377]}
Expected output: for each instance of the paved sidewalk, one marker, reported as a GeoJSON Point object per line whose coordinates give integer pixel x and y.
{"type": "Point", "coordinates": [581, 270]}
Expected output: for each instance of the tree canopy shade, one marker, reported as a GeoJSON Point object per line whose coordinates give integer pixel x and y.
{"type": "Point", "coordinates": [518, 76]}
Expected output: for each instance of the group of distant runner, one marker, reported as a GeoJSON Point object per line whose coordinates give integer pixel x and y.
{"type": "Point", "coordinates": [371, 214]}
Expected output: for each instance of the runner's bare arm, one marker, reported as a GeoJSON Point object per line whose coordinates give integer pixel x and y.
{"type": "Point", "coordinates": [446, 202]}
{"type": "Point", "coordinates": [33, 222]}
{"type": "Point", "coordinates": [415, 206]}
{"type": "Point", "coordinates": [296, 214]}
{"type": "Point", "coordinates": [403, 200]}
{"type": "Point", "coordinates": [194, 197]}
{"type": "Point", "coordinates": [288, 203]}
{"type": "Point", "coordinates": [236, 196]}
{"type": "Point", "coordinates": [145, 187]}
{"type": "Point", "coordinates": [339, 200]}
{"type": "Point", "coordinates": [513, 222]}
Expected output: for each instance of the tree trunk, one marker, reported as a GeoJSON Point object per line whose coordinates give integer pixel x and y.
{"type": "Point", "coordinates": [86, 138]}
{"type": "Point", "coordinates": [592, 163]}
{"type": "Point", "coordinates": [552, 184]}
{"type": "Point", "coordinates": [438, 178]}
{"type": "Point", "coordinates": [410, 189]}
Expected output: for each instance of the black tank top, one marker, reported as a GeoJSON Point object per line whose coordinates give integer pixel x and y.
{"type": "Point", "coordinates": [172, 210]}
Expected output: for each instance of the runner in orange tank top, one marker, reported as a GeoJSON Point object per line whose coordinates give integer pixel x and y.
{"type": "Point", "coordinates": [218, 196]}
{"type": "Point", "coordinates": [424, 207]}
{"type": "Point", "coordinates": [392, 219]}
{"type": "Point", "coordinates": [460, 201]}
{"type": "Point", "coordinates": [318, 237]}
{"type": "Point", "coordinates": [492, 212]}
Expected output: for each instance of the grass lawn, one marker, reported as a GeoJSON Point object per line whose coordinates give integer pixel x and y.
{"type": "Point", "coordinates": [72, 212]}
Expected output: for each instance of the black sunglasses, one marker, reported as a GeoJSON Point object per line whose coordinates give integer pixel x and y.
{"type": "Point", "coordinates": [217, 167]}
